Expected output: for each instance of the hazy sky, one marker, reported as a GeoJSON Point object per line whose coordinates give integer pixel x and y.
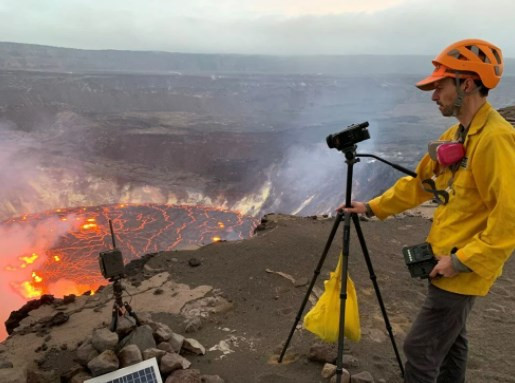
{"type": "Point", "coordinates": [263, 26]}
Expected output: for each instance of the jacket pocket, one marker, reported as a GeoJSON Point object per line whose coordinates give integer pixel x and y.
{"type": "Point", "coordinates": [464, 196]}
{"type": "Point", "coordinates": [464, 179]}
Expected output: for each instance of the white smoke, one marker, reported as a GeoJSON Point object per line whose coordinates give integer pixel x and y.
{"type": "Point", "coordinates": [23, 248]}
{"type": "Point", "coordinates": [309, 180]}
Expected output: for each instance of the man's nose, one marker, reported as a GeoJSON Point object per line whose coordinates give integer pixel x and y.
{"type": "Point", "coordinates": [434, 96]}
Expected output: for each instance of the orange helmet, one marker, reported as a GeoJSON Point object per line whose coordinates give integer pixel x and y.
{"type": "Point", "coordinates": [473, 58]}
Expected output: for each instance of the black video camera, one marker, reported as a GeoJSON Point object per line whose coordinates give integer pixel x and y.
{"type": "Point", "coordinates": [348, 137]}
{"type": "Point", "coordinates": [419, 259]}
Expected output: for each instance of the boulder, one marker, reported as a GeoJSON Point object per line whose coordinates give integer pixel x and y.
{"type": "Point", "coordinates": [171, 362]}
{"type": "Point", "coordinates": [176, 341]}
{"type": "Point", "coordinates": [324, 353]}
{"type": "Point", "coordinates": [362, 377]}
{"type": "Point", "coordinates": [80, 377]}
{"type": "Point", "coordinates": [193, 346]}
{"type": "Point", "coordinates": [129, 355]}
{"type": "Point", "coordinates": [165, 346]}
{"type": "Point", "coordinates": [345, 377]}
{"type": "Point", "coordinates": [328, 370]}
{"type": "Point", "coordinates": [85, 353]}
{"type": "Point", "coordinates": [162, 333]}
{"type": "Point", "coordinates": [184, 376]}
{"type": "Point", "coordinates": [125, 325]}
{"type": "Point", "coordinates": [104, 363]}
{"type": "Point", "coordinates": [150, 353]}
{"type": "Point", "coordinates": [142, 337]}
{"type": "Point", "coordinates": [103, 340]}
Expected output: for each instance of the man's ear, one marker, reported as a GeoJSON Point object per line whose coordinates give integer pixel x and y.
{"type": "Point", "coordinates": [469, 85]}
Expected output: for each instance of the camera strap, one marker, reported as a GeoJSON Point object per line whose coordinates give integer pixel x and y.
{"type": "Point", "coordinates": [440, 196]}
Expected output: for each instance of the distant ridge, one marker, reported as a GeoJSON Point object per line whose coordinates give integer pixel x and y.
{"type": "Point", "coordinates": [509, 114]}
{"type": "Point", "coordinates": [16, 56]}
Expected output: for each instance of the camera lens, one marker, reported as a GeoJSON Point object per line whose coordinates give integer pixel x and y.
{"type": "Point", "coordinates": [330, 142]}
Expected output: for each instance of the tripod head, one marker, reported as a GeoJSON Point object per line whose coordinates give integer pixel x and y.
{"type": "Point", "coordinates": [346, 142]}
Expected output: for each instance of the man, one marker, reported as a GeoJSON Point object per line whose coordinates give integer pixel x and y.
{"type": "Point", "coordinates": [473, 230]}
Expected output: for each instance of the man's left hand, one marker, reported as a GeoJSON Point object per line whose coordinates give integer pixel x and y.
{"type": "Point", "coordinates": [443, 268]}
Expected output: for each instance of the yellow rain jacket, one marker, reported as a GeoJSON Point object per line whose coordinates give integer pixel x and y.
{"type": "Point", "coordinates": [480, 217]}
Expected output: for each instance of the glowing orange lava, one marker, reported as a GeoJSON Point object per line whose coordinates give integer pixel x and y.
{"type": "Point", "coordinates": [29, 260]}
{"type": "Point", "coordinates": [36, 277]}
{"type": "Point", "coordinates": [29, 290]}
{"type": "Point", "coordinates": [71, 266]}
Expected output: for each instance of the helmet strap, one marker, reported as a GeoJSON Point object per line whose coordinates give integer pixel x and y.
{"type": "Point", "coordinates": [458, 102]}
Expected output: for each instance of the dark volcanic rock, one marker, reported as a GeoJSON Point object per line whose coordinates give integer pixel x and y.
{"type": "Point", "coordinates": [194, 262]}
{"type": "Point", "coordinates": [67, 299]}
{"type": "Point", "coordinates": [59, 319]}
{"type": "Point", "coordinates": [17, 316]}
{"type": "Point", "coordinates": [142, 337]}
{"type": "Point", "coordinates": [322, 352]}
{"type": "Point", "coordinates": [184, 376]}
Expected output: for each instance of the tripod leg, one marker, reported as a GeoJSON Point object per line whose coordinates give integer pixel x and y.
{"type": "Point", "coordinates": [313, 280]}
{"type": "Point", "coordinates": [373, 277]}
{"type": "Point", "coordinates": [343, 297]}
{"type": "Point", "coordinates": [114, 318]}
{"type": "Point", "coordinates": [132, 313]}
{"type": "Point", "coordinates": [117, 305]}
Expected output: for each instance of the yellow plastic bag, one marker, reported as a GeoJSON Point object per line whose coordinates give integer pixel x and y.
{"type": "Point", "coordinates": [324, 318]}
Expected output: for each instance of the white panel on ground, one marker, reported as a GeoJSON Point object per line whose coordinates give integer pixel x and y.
{"type": "Point", "coordinates": [143, 372]}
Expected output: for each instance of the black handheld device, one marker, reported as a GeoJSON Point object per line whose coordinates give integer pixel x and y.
{"type": "Point", "coordinates": [419, 259]}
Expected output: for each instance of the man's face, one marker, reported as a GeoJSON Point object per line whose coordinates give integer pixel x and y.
{"type": "Point", "coordinates": [444, 95]}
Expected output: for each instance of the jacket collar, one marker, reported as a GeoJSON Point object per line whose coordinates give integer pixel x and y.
{"type": "Point", "coordinates": [479, 120]}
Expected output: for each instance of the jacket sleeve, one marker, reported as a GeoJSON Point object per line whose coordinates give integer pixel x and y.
{"type": "Point", "coordinates": [495, 179]}
{"type": "Point", "coordinates": [406, 193]}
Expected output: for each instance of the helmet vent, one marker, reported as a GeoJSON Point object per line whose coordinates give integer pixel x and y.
{"type": "Point", "coordinates": [479, 53]}
{"type": "Point", "coordinates": [497, 70]}
{"type": "Point", "coordinates": [497, 56]}
{"type": "Point", "coordinates": [454, 53]}
{"type": "Point", "coordinates": [474, 49]}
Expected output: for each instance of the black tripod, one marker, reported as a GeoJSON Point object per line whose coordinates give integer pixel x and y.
{"type": "Point", "coordinates": [351, 159]}
{"type": "Point", "coordinates": [115, 270]}
{"type": "Point", "coordinates": [120, 308]}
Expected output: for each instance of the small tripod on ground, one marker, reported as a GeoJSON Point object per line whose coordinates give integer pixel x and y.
{"type": "Point", "coordinates": [341, 142]}
{"type": "Point", "coordinates": [120, 308]}
{"type": "Point", "coordinates": [112, 268]}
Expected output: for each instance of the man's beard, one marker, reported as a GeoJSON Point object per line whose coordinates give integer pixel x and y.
{"type": "Point", "coordinates": [447, 111]}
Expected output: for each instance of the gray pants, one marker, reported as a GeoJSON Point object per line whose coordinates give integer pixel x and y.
{"type": "Point", "coordinates": [436, 346]}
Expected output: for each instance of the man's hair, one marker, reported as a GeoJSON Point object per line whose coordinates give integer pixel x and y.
{"type": "Point", "coordinates": [483, 90]}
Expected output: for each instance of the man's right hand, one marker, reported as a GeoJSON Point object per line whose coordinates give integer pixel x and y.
{"type": "Point", "coordinates": [357, 207]}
